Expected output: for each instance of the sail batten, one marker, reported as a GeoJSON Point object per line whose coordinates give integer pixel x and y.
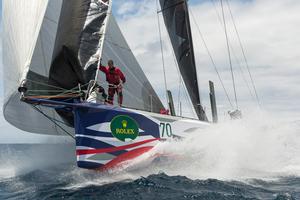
{"type": "Point", "coordinates": [176, 17]}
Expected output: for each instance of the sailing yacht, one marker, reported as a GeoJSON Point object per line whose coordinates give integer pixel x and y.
{"type": "Point", "coordinates": [51, 64]}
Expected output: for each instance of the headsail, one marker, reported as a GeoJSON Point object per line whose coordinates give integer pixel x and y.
{"type": "Point", "coordinates": [176, 17]}
{"type": "Point", "coordinates": [30, 30]}
{"type": "Point", "coordinates": [137, 91]}
{"type": "Point", "coordinates": [57, 51]}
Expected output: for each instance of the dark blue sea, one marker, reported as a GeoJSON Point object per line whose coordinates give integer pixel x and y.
{"type": "Point", "coordinates": [249, 162]}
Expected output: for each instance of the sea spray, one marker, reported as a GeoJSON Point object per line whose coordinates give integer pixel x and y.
{"type": "Point", "coordinates": [255, 147]}
{"type": "Point", "coordinates": [260, 146]}
{"type": "Point", "coordinates": [19, 159]}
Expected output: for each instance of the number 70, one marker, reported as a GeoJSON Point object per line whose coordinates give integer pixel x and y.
{"type": "Point", "coordinates": [166, 129]}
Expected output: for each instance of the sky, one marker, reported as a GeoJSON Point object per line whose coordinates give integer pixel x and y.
{"type": "Point", "coordinates": [269, 31]}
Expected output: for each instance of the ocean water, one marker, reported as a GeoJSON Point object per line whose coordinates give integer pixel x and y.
{"type": "Point", "coordinates": [247, 159]}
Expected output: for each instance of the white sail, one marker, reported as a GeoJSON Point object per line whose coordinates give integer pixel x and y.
{"type": "Point", "coordinates": [30, 29]}
{"type": "Point", "coordinates": [138, 92]}
{"type": "Point", "coordinates": [51, 44]}
{"type": "Point", "coordinates": [21, 26]}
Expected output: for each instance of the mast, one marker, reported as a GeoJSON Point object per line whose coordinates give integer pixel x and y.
{"type": "Point", "coordinates": [176, 17]}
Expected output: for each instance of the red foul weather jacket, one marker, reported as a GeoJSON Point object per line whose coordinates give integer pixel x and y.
{"type": "Point", "coordinates": [113, 76]}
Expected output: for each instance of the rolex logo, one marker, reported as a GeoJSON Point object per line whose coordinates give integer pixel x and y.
{"type": "Point", "coordinates": [124, 127]}
{"type": "Point", "coordinates": [124, 124]}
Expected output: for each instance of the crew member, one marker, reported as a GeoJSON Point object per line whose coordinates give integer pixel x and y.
{"type": "Point", "coordinates": [115, 79]}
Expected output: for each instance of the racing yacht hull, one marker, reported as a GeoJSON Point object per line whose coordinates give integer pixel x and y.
{"type": "Point", "coordinates": [108, 136]}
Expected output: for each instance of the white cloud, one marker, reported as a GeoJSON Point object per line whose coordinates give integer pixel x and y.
{"type": "Point", "coordinates": [269, 31]}
{"type": "Point", "coordinates": [127, 7]}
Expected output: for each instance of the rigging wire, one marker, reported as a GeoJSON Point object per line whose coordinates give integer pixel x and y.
{"type": "Point", "coordinates": [188, 100]}
{"type": "Point", "coordinates": [64, 91]}
{"type": "Point", "coordinates": [242, 73]}
{"type": "Point", "coordinates": [211, 58]}
{"type": "Point", "coordinates": [244, 54]}
{"type": "Point", "coordinates": [229, 54]}
{"type": "Point", "coordinates": [162, 52]}
{"type": "Point", "coordinates": [220, 21]}
{"type": "Point", "coordinates": [105, 84]}
{"type": "Point", "coordinates": [179, 92]}
{"type": "Point", "coordinates": [45, 84]}
{"type": "Point", "coordinates": [73, 91]}
{"type": "Point", "coordinates": [179, 84]}
{"type": "Point", "coordinates": [179, 80]}
{"type": "Point", "coordinates": [129, 71]}
{"type": "Point", "coordinates": [217, 13]}
{"type": "Point", "coordinates": [179, 96]}
{"type": "Point", "coordinates": [53, 121]}
{"type": "Point", "coordinates": [256, 98]}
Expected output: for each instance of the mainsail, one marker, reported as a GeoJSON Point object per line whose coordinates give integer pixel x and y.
{"type": "Point", "coordinates": [52, 46]}
{"type": "Point", "coordinates": [176, 17]}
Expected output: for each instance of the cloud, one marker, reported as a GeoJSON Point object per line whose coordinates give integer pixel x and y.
{"type": "Point", "coordinates": [269, 33]}
{"type": "Point", "coordinates": [126, 8]}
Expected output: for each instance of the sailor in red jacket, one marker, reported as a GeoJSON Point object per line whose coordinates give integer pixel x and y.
{"type": "Point", "coordinates": [115, 79]}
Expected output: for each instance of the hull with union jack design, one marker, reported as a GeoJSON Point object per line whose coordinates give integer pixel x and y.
{"type": "Point", "coordinates": [108, 136]}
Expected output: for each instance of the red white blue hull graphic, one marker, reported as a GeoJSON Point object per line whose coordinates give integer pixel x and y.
{"type": "Point", "coordinates": [98, 147]}
{"type": "Point", "coordinates": [108, 136]}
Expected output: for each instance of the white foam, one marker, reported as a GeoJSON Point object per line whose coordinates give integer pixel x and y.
{"type": "Point", "coordinates": [260, 147]}
{"type": "Point", "coordinates": [16, 160]}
